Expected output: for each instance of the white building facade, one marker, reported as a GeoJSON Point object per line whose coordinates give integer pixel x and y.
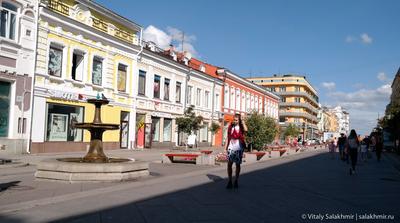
{"type": "Point", "coordinates": [17, 60]}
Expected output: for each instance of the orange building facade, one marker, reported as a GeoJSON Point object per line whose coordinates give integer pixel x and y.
{"type": "Point", "coordinates": [238, 96]}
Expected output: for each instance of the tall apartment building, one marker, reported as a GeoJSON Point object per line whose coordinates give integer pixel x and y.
{"type": "Point", "coordinates": [299, 101]}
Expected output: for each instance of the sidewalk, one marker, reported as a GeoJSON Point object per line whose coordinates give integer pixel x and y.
{"type": "Point", "coordinates": [279, 190]}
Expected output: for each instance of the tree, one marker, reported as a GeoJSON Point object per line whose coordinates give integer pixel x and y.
{"type": "Point", "coordinates": [214, 128]}
{"type": "Point", "coordinates": [261, 130]}
{"type": "Point", "coordinates": [291, 131]}
{"type": "Point", "coordinates": [189, 123]}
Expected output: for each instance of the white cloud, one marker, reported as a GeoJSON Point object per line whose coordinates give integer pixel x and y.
{"type": "Point", "coordinates": [350, 39]}
{"type": "Point", "coordinates": [364, 105]}
{"type": "Point", "coordinates": [159, 37]}
{"type": "Point", "coordinates": [365, 38]}
{"type": "Point", "coordinates": [172, 36]}
{"type": "Point", "coordinates": [329, 85]}
{"type": "Point", "coordinates": [382, 77]}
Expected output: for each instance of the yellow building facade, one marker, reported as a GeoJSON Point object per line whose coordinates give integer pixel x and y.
{"type": "Point", "coordinates": [298, 104]}
{"type": "Point", "coordinates": [84, 51]}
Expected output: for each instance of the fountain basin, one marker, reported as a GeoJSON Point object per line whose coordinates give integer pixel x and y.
{"type": "Point", "coordinates": [75, 170]}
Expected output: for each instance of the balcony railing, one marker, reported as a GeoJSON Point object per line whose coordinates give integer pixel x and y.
{"type": "Point", "coordinates": [123, 35]}
{"type": "Point", "coordinates": [99, 24]}
{"type": "Point", "coordinates": [299, 104]}
{"type": "Point", "coordinates": [297, 93]}
{"type": "Point", "coordinates": [64, 9]}
{"type": "Point", "coordinates": [298, 114]}
{"type": "Point", "coordinates": [57, 6]}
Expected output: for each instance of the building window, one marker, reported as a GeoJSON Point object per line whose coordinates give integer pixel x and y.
{"type": "Point", "coordinates": [282, 119]}
{"type": "Point", "coordinates": [60, 121]}
{"type": "Point", "coordinates": [77, 65]}
{"type": "Point", "coordinates": [283, 99]}
{"type": "Point", "coordinates": [198, 97]}
{"type": "Point", "coordinates": [282, 88]}
{"type": "Point", "coordinates": [122, 77]}
{"type": "Point", "coordinates": [238, 99]}
{"type": "Point", "coordinates": [232, 105]}
{"type": "Point", "coordinates": [55, 61]}
{"type": "Point", "coordinates": [4, 107]}
{"type": "Point", "coordinates": [166, 89]}
{"type": "Point", "coordinates": [226, 98]}
{"type": "Point", "coordinates": [97, 70]}
{"type": "Point", "coordinates": [206, 98]}
{"type": "Point", "coordinates": [297, 88]}
{"type": "Point", "coordinates": [216, 103]}
{"type": "Point", "coordinates": [189, 95]}
{"type": "Point", "coordinates": [156, 91]}
{"type": "Point", "coordinates": [8, 15]}
{"type": "Point", "coordinates": [142, 83]}
{"type": "Point", "coordinates": [297, 100]}
{"type": "Point", "coordinates": [155, 125]}
{"type": "Point", "coordinates": [167, 130]}
{"type": "Point", "coordinates": [178, 92]}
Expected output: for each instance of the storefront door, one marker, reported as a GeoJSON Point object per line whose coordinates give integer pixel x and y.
{"type": "Point", "coordinates": [124, 130]}
{"type": "Point", "coordinates": [4, 108]}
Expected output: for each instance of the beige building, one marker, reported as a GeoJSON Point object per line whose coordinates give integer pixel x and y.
{"type": "Point", "coordinates": [299, 101]}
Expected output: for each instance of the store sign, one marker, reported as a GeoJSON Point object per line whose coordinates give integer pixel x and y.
{"type": "Point", "coordinates": [161, 114]}
{"type": "Point", "coordinates": [69, 96]}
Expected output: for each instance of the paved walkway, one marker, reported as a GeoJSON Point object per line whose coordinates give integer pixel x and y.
{"type": "Point", "coordinates": [292, 189]}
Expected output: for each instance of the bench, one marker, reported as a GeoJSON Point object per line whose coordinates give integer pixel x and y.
{"type": "Point", "coordinates": [258, 154]}
{"type": "Point", "coordinates": [197, 158]}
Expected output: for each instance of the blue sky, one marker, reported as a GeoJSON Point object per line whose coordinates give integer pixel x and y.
{"type": "Point", "coordinates": [349, 50]}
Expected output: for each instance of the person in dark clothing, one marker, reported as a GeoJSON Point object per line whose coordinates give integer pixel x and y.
{"type": "Point", "coordinates": [378, 146]}
{"type": "Point", "coordinates": [342, 144]}
{"type": "Point", "coordinates": [352, 149]}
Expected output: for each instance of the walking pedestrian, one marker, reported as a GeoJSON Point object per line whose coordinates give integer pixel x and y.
{"type": "Point", "coordinates": [352, 150]}
{"type": "Point", "coordinates": [342, 144]}
{"type": "Point", "coordinates": [235, 146]}
{"type": "Point", "coordinates": [364, 149]}
{"type": "Point", "coordinates": [378, 145]}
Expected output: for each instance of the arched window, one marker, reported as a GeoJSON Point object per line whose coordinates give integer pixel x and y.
{"type": "Point", "coordinates": [8, 20]}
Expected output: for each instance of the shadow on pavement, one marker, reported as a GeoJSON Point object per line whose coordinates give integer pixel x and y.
{"type": "Point", "coordinates": [295, 191]}
{"type": "Point", "coordinates": [6, 186]}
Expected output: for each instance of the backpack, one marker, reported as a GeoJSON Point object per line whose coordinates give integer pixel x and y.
{"type": "Point", "coordinates": [353, 143]}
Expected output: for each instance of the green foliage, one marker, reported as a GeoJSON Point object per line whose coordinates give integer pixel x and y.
{"type": "Point", "coordinates": [189, 123]}
{"type": "Point", "coordinates": [215, 127]}
{"type": "Point", "coordinates": [292, 130]}
{"type": "Point", "coordinates": [261, 130]}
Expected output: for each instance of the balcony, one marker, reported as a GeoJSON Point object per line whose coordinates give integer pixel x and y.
{"type": "Point", "coordinates": [297, 93]}
{"type": "Point", "coordinates": [298, 114]}
{"type": "Point", "coordinates": [57, 6]}
{"type": "Point", "coordinates": [64, 9]}
{"type": "Point", "coordinates": [298, 104]}
{"type": "Point", "coordinates": [100, 25]}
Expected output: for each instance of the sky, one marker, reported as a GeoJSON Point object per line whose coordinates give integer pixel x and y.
{"type": "Point", "coordinates": [349, 50]}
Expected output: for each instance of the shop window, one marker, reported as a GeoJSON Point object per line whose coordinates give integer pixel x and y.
{"type": "Point", "coordinates": [142, 82]}
{"type": "Point", "coordinates": [178, 92]}
{"type": "Point", "coordinates": [55, 61]}
{"type": "Point", "coordinates": [121, 78]}
{"type": "Point", "coordinates": [60, 121]}
{"type": "Point", "coordinates": [157, 80]}
{"type": "Point", "coordinates": [166, 89]}
{"type": "Point", "coordinates": [77, 65]}
{"type": "Point", "coordinates": [204, 132]}
{"type": "Point", "coordinates": [167, 130]}
{"type": "Point", "coordinates": [4, 108]}
{"type": "Point", "coordinates": [8, 20]}
{"type": "Point", "coordinates": [97, 70]}
{"type": "Point", "coordinates": [155, 125]}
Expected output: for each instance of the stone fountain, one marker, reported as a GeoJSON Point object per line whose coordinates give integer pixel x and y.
{"type": "Point", "coordinates": [95, 165]}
